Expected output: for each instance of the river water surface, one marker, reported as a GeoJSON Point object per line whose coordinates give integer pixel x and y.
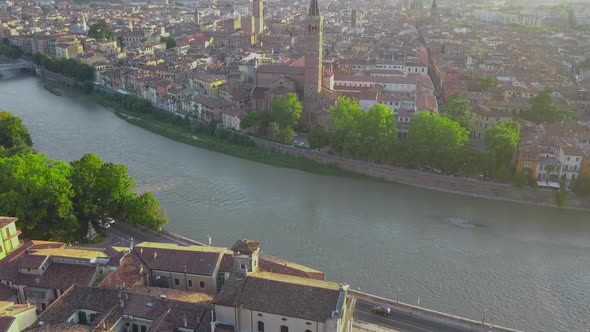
{"type": "Point", "coordinates": [529, 266]}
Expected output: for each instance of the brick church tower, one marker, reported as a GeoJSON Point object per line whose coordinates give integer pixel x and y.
{"type": "Point", "coordinates": [314, 31]}
{"type": "Point", "coordinates": [258, 13]}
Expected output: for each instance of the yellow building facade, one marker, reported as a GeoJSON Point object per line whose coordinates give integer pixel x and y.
{"type": "Point", "coordinates": [8, 235]}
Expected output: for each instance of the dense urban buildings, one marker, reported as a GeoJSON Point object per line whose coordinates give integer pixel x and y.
{"type": "Point", "coordinates": [165, 287]}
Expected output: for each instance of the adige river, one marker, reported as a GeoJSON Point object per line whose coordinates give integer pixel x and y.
{"type": "Point", "coordinates": [528, 266]}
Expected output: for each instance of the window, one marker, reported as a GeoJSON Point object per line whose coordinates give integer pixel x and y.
{"type": "Point", "coordinates": [243, 266]}
{"type": "Point", "coordinates": [202, 284]}
{"type": "Point", "coordinates": [284, 328]}
{"type": "Point", "coordinates": [260, 326]}
{"type": "Point", "coordinates": [190, 283]}
{"type": "Point", "coordinates": [307, 330]}
{"type": "Point", "coordinates": [143, 328]}
{"type": "Point", "coordinates": [176, 282]}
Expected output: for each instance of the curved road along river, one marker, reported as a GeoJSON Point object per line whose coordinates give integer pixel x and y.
{"type": "Point", "coordinates": [529, 266]}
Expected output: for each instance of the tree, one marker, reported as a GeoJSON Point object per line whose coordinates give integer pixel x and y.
{"type": "Point", "coordinates": [10, 51]}
{"type": "Point", "coordinates": [485, 83]}
{"type": "Point", "coordinates": [318, 137]}
{"type": "Point", "coordinates": [85, 173]}
{"type": "Point", "coordinates": [542, 108]}
{"type": "Point", "coordinates": [145, 210]}
{"type": "Point", "coordinates": [170, 42]}
{"type": "Point", "coordinates": [378, 132]}
{"type": "Point", "coordinates": [37, 190]}
{"type": "Point", "coordinates": [501, 141]}
{"type": "Point", "coordinates": [256, 119]}
{"type": "Point", "coordinates": [113, 188]}
{"type": "Point", "coordinates": [286, 110]}
{"type": "Point", "coordinates": [434, 140]}
{"type": "Point", "coordinates": [12, 132]}
{"type": "Point", "coordinates": [346, 116]}
{"type": "Point", "coordinates": [68, 67]}
{"type": "Point", "coordinates": [582, 186]}
{"type": "Point", "coordinates": [100, 31]}
{"type": "Point", "coordinates": [458, 109]}
{"type": "Point", "coordinates": [88, 87]}
{"type": "Point", "coordinates": [286, 135]}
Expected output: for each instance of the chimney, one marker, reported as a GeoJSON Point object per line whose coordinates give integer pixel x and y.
{"type": "Point", "coordinates": [155, 255]}
{"type": "Point", "coordinates": [184, 321]}
{"type": "Point", "coordinates": [141, 251]}
{"type": "Point", "coordinates": [121, 304]}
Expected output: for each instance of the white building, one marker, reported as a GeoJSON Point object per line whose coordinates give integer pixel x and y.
{"type": "Point", "coordinates": [270, 302]}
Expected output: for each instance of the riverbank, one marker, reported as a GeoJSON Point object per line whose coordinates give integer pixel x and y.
{"type": "Point", "coordinates": [184, 135]}
{"type": "Point", "coordinates": [275, 154]}
{"type": "Point", "coordinates": [284, 156]}
{"type": "Point", "coordinates": [53, 90]}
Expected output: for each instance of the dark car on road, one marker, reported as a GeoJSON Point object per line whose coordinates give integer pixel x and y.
{"type": "Point", "coordinates": [381, 310]}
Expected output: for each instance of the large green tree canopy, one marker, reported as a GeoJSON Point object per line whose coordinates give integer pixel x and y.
{"type": "Point", "coordinates": [501, 141]}
{"type": "Point", "coordinates": [12, 132]}
{"type": "Point", "coordinates": [542, 108]}
{"type": "Point", "coordinates": [100, 31]}
{"type": "Point", "coordinates": [54, 200]}
{"type": "Point", "coordinates": [458, 109]}
{"type": "Point", "coordinates": [434, 139]}
{"type": "Point", "coordinates": [286, 110]}
{"type": "Point", "coordinates": [37, 190]}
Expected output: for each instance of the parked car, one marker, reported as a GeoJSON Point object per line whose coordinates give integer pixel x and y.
{"type": "Point", "coordinates": [103, 224]}
{"type": "Point", "coordinates": [381, 310]}
{"type": "Point", "coordinates": [108, 220]}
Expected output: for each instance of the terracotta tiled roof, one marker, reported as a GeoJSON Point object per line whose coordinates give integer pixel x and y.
{"type": "Point", "coordinates": [288, 296]}
{"type": "Point", "coordinates": [166, 314]}
{"type": "Point", "coordinates": [193, 259]}
{"type": "Point", "coordinates": [5, 221]}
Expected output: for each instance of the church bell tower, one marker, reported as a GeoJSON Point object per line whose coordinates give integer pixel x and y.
{"type": "Point", "coordinates": [314, 31]}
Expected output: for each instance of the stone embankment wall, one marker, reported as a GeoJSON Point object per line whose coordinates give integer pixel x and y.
{"type": "Point", "coordinates": [458, 185]}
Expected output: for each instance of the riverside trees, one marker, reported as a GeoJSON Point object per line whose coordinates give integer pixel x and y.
{"type": "Point", "coordinates": [68, 67]}
{"type": "Point", "coordinates": [54, 199]}
{"type": "Point", "coordinates": [368, 135]}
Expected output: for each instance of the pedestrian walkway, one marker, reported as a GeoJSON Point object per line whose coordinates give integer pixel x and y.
{"type": "Point", "coordinates": [366, 327]}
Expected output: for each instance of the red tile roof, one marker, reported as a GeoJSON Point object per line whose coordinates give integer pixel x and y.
{"type": "Point", "coordinates": [5, 221]}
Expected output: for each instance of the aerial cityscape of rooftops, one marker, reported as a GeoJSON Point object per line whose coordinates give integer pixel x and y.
{"type": "Point", "coordinates": [472, 97]}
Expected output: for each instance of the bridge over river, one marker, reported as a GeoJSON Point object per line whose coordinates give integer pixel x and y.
{"type": "Point", "coordinates": [16, 65]}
